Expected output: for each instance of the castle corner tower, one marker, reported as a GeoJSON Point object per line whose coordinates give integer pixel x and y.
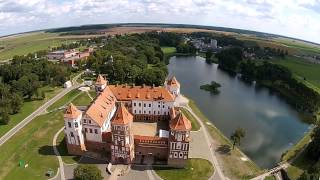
{"type": "Point", "coordinates": [73, 130]}
{"type": "Point", "coordinates": [100, 84]}
{"type": "Point", "coordinates": [179, 138]}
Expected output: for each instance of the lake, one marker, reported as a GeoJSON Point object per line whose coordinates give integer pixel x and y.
{"type": "Point", "coordinates": [272, 126]}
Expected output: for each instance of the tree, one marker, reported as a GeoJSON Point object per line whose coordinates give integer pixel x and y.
{"type": "Point", "coordinates": [236, 136]}
{"type": "Point", "coordinates": [87, 172]}
{"type": "Point", "coordinates": [4, 117]}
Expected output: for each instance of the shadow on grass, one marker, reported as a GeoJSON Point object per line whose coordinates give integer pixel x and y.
{"type": "Point", "coordinates": [62, 148]}
{"type": "Point", "coordinates": [224, 149]}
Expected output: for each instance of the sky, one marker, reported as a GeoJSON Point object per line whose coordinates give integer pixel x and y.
{"type": "Point", "coordinates": [294, 18]}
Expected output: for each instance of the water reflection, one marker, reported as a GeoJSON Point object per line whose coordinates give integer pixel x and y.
{"type": "Point", "coordinates": [271, 124]}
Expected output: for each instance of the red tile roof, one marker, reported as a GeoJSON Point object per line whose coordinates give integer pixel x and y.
{"type": "Point", "coordinates": [147, 93]}
{"type": "Point", "coordinates": [100, 80]}
{"type": "Point", "coordinates": [72, 112]}
{"type": "Point", "coordinates": [101, 106]}
{"type": "Point", "coordinates": [173, 82]}
{"type": "Point", "coordinates": [122, 116]}
{"type": "Point", "coordinates": [180, 123]}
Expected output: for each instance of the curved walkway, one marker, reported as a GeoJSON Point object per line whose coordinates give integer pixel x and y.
{"type": "Point", "coordinates": [217, 168]}
{"type": "Point", "coordinates": [54, 143]}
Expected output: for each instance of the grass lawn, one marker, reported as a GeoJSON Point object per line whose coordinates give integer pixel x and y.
{"type": "Point", "coordinates": [194, 122]}
{"type": "Point", "coordinates": [168, 50]}
{"type": "Point", "coordinates": [93, 94]}
{"type": "Point", "coordinates": [302, 69]}
{"type": "Point", "coordinates": [196, 169]}
{"type": "Point", "coordinates": [62, 148]}
{"type": "Point", "coordinates": [234, 167]}
{"type": "Point", "coordinates": [33, 144]}
{"type": "Point", "coordinates": [65, 99]}
{"type": "Point", "coordinates": [27, 108]}
{"type": "Point", "coordinates": [82, 100]}
{"type": "Point", "coordinates": [270, 178]}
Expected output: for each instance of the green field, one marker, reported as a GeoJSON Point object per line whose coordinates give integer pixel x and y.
{"type": "Point", "coordinates": [168, 50]}
{"type": "Point", "coordinates": [65, 100]}
{"type": "Point", "coordinates": [303, 69]}
{"type": "Point", "coordinates": [32, 144]}
{"type": "Point", "coordinates": [196, 169]}
{"type": "Point", "coordinates": [27, 108]}
{"type": "Point", "coordinates": [82, 100]}
{"type": "Point", "coordinates": [32, 42]}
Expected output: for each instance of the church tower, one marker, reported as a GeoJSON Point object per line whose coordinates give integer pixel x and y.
{"type": "Point", "coordinates": [173, 86]}
{"type": "Point", "coordinates": [73, 130]}
{"type": "Point", "coordinates": [122, 148]}
{"type": "Point", "coordinates": [179, 138]}
{"type": "Point", "coordinates": [100, 84]}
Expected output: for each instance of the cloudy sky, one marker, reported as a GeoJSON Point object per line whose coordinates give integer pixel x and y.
{"type": "Point", "coordinates": [295, 18]}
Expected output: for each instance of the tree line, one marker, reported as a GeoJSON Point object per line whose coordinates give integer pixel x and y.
{"type": "Point", "coordinates": [22, 79]}
{"type": "Point", "coordinates": [135, 58]}
{"type": "Point", "coordinates": [276, 77]}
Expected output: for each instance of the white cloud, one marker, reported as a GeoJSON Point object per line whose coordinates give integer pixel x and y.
{"type": "Point", "coordinates": [297, 18]}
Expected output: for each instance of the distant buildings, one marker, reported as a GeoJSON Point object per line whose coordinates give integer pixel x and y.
{"type": "Point", "coordinates": [129, 124]}
{"type": "Point", "coordinates": [69, 56]}
{"type": "Point", "coordinates": [201, 46]}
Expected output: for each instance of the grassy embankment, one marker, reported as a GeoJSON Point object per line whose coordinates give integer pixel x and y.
{"type": "Point", "coordinates": [306, 72]}
{"type": "Point", "coordinates": [196, 169]}
{"type": "Point", "coordinates": [27, 108]}
{"type": "Point", "coordinates": [233, 166]}
{"type": "Point", "coordinates": [32, 144]}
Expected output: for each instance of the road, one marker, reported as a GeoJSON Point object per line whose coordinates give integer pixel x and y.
{"type": "Point", "coordinates": [56, 152]}
{"type": "Point", "coordinates": [218, 171]}
{"type": "Point", "coordinates": [36, 113]}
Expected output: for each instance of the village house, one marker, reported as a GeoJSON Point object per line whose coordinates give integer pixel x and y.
{"type": "Point", "coordinates": [129, 124]}
{"type": "Point", "coordinates": [69, 56]}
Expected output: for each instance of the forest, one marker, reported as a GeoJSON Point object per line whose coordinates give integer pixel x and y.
{"type": "Point", "coordinates": [22, 79]}
{"type": "Point", "coordinates": [135, 59]}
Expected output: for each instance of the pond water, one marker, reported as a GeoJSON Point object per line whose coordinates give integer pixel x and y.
{"type": "Point", "coordinates": [272, 126]}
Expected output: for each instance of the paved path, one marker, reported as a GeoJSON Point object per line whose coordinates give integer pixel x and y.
{"type": "Point", "coordinates": [54, 144]}
{"type": "Point", "coordinates": [39, 111]}
{"type": "Point", "coordinates": [217, 168]}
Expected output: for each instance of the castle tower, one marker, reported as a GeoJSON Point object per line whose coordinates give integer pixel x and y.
{"type": "Point", "coordinates": [173, 86]}
{"type": "Point", "coordinates": [179, 138]}
{"type": "Point", "coordinates": [100, 84]}
{"type": "Point", "coordinates": [73, 130]}
{"type": "Point", "coordinates": [122, 148]}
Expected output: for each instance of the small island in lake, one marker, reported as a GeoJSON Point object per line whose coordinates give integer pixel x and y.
{"type": "Point", "coordinates": [213, 87]}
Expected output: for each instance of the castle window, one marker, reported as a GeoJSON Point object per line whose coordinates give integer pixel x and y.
{"type": "Point", "coordinates": [69, 124]}
{"type": "Point", "coordinates": [135, 111]}
{"type": "Point", "coordinates": [180, 155]}
{"type": "Point", "coordinates": [90, 130]}
{"type": "Point", "coordinates": [139, 104]}
{"type": "Point", "coordinates": [76, 124]}
{"type": "Point", "coordinates": [149, 105]}
{"type": "Point", "coordinates": [84, 121]}
{"type": "Point", "coordinates": [159, 105]}
{"type": "Point", "coordinates": [71, 134]}
{"type": "Point", "coordinates": [163, 106]}
{"type": "Point", "coordinates": [89, 121]}
{"type": "Point", "coordinates": [134, 104]}
{"type": "Point", "coordinates": [139, 111]}
{"type": "Point", "coordinates": [175, 154]}
{"type": "Point", "coordinates": [85, 130]}
{"type": "Point", "coordinates": [149, 112]}
{"type": "Point", "coordinates": [144, 105]}
{"type": "Point", "coordinates": [96, 131]}
{"type": "Point", "coordinates": [158, 112]}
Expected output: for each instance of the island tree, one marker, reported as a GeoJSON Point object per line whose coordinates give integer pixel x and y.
{"type": "Point", "coordinates": [236, 137]}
